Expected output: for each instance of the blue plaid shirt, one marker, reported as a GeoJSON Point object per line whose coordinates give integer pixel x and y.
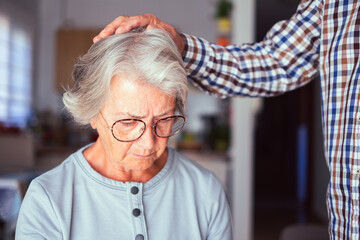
{"type": "Point", "coordinates": [321, 38]}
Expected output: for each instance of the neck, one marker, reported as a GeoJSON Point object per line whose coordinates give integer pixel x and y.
{"type": "Point", "coordinates": [99, 161]}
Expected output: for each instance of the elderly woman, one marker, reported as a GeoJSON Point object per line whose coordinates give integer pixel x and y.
{"type": "Point", "coordinates": [132, 89]}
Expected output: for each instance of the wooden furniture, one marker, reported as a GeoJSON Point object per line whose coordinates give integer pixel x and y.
{"type": "Point", "coordinates": [16, 151]}
{"type": "Point", "coordinates": [71, 43]}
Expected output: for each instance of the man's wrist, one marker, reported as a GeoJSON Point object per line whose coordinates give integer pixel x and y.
{"type": "Point", "coordinates": [184, 47]}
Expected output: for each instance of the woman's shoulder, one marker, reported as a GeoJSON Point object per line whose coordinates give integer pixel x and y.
{"type": "Point", "coordinates": [191, 169]}
{"type": "Point", "coordinates": [57, 175]}
{"type": "Point", "coordinates": [74, 162]}
{"type": "Point", "coordinates": [188, 163]}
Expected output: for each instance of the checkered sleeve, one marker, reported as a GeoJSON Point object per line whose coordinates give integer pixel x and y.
{"type": "Point", "coordinates": [287, 58]}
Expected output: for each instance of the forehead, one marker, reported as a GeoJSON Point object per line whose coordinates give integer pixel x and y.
{"type": "Point", "coordinates": [129, 95]}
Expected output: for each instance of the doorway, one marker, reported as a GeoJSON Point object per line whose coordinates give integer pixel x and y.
{"type": "Point", "coordinates": [284, 135]}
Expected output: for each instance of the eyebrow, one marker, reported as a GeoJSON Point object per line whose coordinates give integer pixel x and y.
{"type": "Point", "coordinates": [166, 113]}
{"type": "Point", "coordinates": [140, 117]}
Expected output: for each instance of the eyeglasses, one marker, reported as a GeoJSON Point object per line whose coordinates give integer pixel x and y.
{"type": "Point", "coordinates": [128, 130]}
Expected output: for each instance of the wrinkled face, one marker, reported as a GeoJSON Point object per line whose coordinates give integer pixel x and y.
{"type": "Point", "coordinates": [129, 100]}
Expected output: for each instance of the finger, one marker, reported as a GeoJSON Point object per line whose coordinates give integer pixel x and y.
{"type": "Point", "coordinates": [96, 39]}
{"type": "Point", "coordinates": [110, 28]}
{"type": "Point", "coordinates": [150, 26]}
{"type": "Point", "coordinates": [158, 26]}
{"type": "Point", "coordinates": [107, 31]}
{"type": "Point", "coordinates": [124, 24]}
{"type": "Point", "coordinates": [125, 27]}
{"type": "Point", "coordinates": [133, 22]}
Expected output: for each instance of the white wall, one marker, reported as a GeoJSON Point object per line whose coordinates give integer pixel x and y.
{"type": "Point", "coordinates": [193, 17]}
{"type": "Point", "coordinates": [45, 96]}
{"type": "Point", "coordinates": [200, 104]}
{"type": "Point", "coordinates": [243, 112]}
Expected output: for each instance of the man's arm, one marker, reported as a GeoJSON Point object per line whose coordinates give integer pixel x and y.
{"type": "Point", "coordinates": [286, 59]}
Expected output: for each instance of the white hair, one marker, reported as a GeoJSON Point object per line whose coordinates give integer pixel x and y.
{"type": "Point", "coordinates": [150, 54]}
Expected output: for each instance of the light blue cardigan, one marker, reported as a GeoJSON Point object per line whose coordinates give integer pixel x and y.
{"type": "Point", "coordinates": [73, 201]}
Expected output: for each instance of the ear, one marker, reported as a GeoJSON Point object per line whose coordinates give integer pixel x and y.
{"type": "Point", "coordinates": [93, 122]}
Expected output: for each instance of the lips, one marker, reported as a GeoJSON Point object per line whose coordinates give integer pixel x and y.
{"type": "Point", "coordinates": [143, 155]}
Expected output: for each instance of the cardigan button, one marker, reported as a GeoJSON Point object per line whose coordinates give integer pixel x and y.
{"type": "Point", "coordinates": [134, 190]}
{"type": "Point", "coordinates": [136, 212]}
{"type": "Point", "coordinates": [139, 237]}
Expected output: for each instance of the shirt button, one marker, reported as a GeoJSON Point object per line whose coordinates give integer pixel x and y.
{"type": "Point", "coordinates": [357, 171]}
{"type": "Point", "coordinates": [136, 212]}
{"type": "Point", "coordinates": [358, 117]}
{"type": "Point", "coordinates": [134, 190]}
{"type": "Point", "coordinates": [139, 237]}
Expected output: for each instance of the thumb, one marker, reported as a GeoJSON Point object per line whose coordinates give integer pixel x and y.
{"type": "Point", "coordinates": [151, 26]}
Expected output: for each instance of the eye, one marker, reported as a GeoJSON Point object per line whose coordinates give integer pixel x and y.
{"type": "Point", "coordinates": [128, 122]}
{"type": "Point", "coordinates": [166, 120]}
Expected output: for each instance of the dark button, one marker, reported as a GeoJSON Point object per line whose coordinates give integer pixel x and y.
{"type": "Point", "coordinates": [134, 190]}
{"type": "Point", "coordinates": [136, 212]}
{"type": "Point", "coordinates": [139, 237]}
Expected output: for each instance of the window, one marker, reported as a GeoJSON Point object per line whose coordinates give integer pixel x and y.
{"type": "Point", "coordinates": [16, 70]}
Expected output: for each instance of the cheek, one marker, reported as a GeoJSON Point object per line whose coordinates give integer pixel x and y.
{"type": "Point", "coordinates": [119, 149]}
{"type": "Point", "coordinates": [162, 143]}
{"type": "Point", "coordinates": [113, 148]}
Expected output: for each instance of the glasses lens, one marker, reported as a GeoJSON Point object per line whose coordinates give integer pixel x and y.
{"type": "Point", "coordinates": [128, 129]}
{"type": "Point", "coordinates": [169, 126]}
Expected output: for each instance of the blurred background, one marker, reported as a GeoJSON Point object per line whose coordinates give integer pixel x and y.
{"type": "Point", "coordinates": [267, 152]}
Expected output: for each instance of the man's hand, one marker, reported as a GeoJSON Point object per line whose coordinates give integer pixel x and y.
{"type": "Point", "coordinates": [124, 24]}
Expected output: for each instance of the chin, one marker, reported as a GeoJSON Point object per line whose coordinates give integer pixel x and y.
{"type": "Point", "coordinates": [141, 164]}
{"type": "Point", "coordinates": [140, 167]}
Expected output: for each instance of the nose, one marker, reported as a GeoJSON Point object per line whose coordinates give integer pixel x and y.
{"type": "Point", "coordinates": [148, 138]}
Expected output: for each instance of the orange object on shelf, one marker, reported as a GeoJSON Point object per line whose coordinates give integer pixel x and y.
{"type": "Point", "coordinates": [223, 41]}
